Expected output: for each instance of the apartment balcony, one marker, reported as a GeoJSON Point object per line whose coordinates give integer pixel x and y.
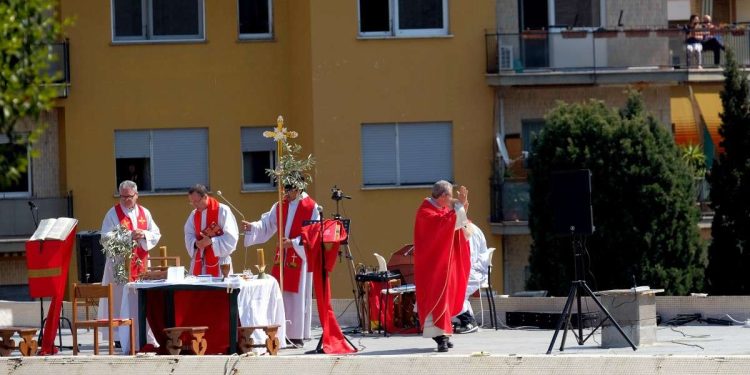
{"type": "Point", "coordinates": [601, 57]}
{"type": "Point", "coordinates": [61, 67]}
{"type": "Point", "coordinates": [509, 206]}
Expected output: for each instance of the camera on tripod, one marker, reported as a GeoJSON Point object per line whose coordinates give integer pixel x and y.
{"type": "Point", "coordinates": [337, 194]}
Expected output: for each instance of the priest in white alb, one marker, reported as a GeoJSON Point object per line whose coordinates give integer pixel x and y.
{"type": "Point", "coordinates": [296, 208]}
{"type": "Point", "coordinates": [145, 232]}
{"type": "Point", "coordinates": [211, 233]}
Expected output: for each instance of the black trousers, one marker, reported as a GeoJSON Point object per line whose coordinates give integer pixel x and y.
{"type": "Point", "coordinates": [716, 47]}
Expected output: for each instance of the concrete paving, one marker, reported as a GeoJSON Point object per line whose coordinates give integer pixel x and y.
{"type": "Point", "coordinates": [681, 340]}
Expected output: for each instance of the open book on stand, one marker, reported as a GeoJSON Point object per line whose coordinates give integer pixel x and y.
{"type": "Point", "coordinates": [54, 229]}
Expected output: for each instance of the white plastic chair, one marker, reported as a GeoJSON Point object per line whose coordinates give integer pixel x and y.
{"type": "Point", "coordinates": [487, 286]}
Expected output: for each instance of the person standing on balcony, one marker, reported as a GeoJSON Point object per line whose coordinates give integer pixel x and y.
{"type": "Point", "coordinates": [441, 261]}
{"type": "Point", "coordinates": [144, 231]}
{"type": "Point", "coordinates": [694, 42]}
{"type": "Point", "coordinates": [711, 39]}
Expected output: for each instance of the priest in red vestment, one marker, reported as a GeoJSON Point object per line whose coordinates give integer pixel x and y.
{"type": "Point", "coordinates": [211, 233]}
{"type": "Point", "coordinates": [441, 261]}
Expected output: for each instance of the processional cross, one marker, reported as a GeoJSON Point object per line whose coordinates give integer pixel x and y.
{"type": "Point", "coordinates": [280, 135]}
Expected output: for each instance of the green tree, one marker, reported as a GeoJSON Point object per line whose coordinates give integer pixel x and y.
{"type": "Point", "coordinates": [642, 198]}
{"type": "Point", "coordinates": [27, 29]}
{"type": "Point", "coordinates": [730, 189]}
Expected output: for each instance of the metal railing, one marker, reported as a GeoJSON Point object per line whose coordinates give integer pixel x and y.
{"type": "Point", "coordinates": [19, 214]}
{"type": "Point", "coordinates": [601, 50]}
{"type": "Point", "coordinates": [509, 200]}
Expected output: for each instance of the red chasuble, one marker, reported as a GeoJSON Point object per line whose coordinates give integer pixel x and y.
{"type": "Point", "coordinates": [212, 218]}
{"type": "Point", "coordinates": [293, 261]}
{"type": "Point", "coordinates": [139, 252]}
{"type": "Point", "coordinates": [441, 265]}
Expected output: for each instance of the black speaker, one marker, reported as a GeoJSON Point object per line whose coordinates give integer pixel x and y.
{"type": "Point", "coordinates": [571, 202]}
{"type": "Point", "coordinates": [91, 259]}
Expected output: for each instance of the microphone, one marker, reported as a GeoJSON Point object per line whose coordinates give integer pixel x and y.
{"type": "Point", "coordinates": [32, 205]}
{"type": "Point", "coordinates": [218, 192]}
{"type": "Point", "coordinates": [320, 209]}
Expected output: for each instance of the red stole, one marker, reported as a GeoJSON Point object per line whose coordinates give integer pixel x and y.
{"type": "Point", "coordinates": [139, 252]}
{"type": "Point", "coordinates": [212, 261]}
{"type": "Point", "coordinates": [441, 265]}
{"type": "Point", "coordinates": [292, 261]}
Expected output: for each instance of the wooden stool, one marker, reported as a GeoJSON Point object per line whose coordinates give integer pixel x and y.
{"type": "Point", "coordinates": [27, 346]}
{"type": "Point", "coordinates": [197, 345]}
{"type": "Point", "coordinates": [246, 343]}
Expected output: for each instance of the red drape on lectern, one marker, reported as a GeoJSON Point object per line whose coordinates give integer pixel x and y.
{"type": "Point", "coordinates": [334, 341]}
{"type": "Point", "coordinates": [47, 262]}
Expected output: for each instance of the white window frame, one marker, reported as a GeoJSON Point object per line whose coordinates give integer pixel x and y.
{"type": "Point", "coordinates": [270, 186]}
{"type": "Point", "coordinates": [552, 21]}
{"type": "Point", "coordinates": [153, 165]}
{"type": "Point", "coordinates": [399, 181]}
{"type": "Point", "coordinates": [394, 24]}
{"type": "Point", "coordinates": [19, 194]}
{"type": "Point", "coordinates": [257, 36]}
{"type": "Point", "coordinates": [147, 32]}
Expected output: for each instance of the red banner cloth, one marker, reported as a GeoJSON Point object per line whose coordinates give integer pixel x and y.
{"type": "Point", "coordinates": [47, 262]}
{"type": "Point", "coordinates": [334, 341]}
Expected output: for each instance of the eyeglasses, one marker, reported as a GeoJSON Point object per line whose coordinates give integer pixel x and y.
{"type": "Point", "coordinates": [127, 196]}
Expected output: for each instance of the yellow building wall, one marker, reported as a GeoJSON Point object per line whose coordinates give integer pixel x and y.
{"type": "Point", "coordinates": [317, 73]}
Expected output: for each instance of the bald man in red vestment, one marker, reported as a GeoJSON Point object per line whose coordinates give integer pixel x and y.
{"type": "Point", "coordinates": [441, 261]}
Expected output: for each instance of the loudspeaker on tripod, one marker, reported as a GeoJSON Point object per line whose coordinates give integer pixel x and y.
{"type": "Point", "coordinates": [571, 202]}
{"type": "Point", "coordinates": [90, 258]}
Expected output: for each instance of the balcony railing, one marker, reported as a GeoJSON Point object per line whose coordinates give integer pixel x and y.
{"type": "Point", "coordinates": [17, 220]}
{"type": "Point", "coordinates": [601, 50]}
{"type": "Point", "coordinates": [61, 67]}
{"type": "Point", "coordinates": [510, 200]}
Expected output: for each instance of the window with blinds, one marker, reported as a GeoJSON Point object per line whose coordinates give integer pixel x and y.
{"type": "Point", "coordinates": [404, 154]}
{"type": "Point", "coordinates": [150, 159]}
{"type": "Point", "coordinates": [258, 154]}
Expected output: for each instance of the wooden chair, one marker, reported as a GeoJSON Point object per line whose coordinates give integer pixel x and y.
{"type": "Point", "coordinates": [82, 292]}
{"type": "Point", "coordinates": [162, 262]}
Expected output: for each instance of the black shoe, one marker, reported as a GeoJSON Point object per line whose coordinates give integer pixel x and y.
{"type": "Point", "coordinates": [442, 343]}
{"type": "Point", "coordinates": [450, 344]}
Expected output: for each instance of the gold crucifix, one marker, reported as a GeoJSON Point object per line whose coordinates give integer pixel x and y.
{"type": "Point", "coordinates": [280, 135]}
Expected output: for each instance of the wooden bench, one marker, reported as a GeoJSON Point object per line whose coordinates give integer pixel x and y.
{"type": "Point", "coordinates": [197, 344]}
{"type": "Point", "coordinates": [27, 346]}
{"type": "Point", "coordinates": [247, 344]}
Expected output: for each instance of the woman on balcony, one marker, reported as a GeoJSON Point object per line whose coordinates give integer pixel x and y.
{"type": "Point", "coordinates": [694, 41]}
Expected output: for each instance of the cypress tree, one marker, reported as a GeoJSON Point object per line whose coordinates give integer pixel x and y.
{"type": "Point", "coordinates": [642, 198]}
{"type": "Point", "coordinates": [730, 189]}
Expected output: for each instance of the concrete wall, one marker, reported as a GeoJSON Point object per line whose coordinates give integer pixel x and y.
{"type": "Point", "coordinates": [536, 102]}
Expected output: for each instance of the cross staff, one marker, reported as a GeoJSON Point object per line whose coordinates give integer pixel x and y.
{"type": "Point", "coordinates": [280, 135]}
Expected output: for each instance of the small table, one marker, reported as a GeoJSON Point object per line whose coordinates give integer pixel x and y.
{"type": "Point", "coordinates": [635, 311]}
{"type": "Point", "coordinates": [251, 302]}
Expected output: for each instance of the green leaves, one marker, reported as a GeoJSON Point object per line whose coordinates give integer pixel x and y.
{"type": "Point", "coordinates": [291, 170]}
{"type": "Point", "coordinates": [643, 207]}
{"type": "Point", "coordinates": [27, 30]}
{"type": "Point", "coordinates": [118, 248]}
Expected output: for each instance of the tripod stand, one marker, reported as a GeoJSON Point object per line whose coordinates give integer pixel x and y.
{"type": "Point", "coordinates": [577, 288]}
{"type": "Point", "coordinates": [357, 292]}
